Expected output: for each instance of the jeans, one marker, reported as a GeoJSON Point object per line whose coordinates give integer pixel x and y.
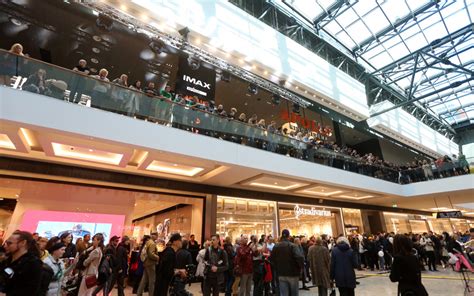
{"type": "Point", "coordinates": [346, 291]}
{"type": "Point", "coordinates": [117, 278]}
{"type": "Point", "coordinates": [258, 274]}
{"type": "Point", "coordinates": [245, 284]}
{"type": "Point", "coordinates": [229, 283]}
{"type": "Point", "coordinates": [147, 279]}
{"type": "Point", "coordinates": [288, 285]}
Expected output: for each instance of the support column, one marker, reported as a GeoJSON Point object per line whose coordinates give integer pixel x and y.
{"type": "Point", "coordinates": [210, 216]}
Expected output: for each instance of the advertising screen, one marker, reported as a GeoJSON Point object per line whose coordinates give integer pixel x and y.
{"type": "Point", "coordinates": [52, 223]}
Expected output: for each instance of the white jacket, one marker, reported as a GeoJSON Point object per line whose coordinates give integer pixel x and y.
{"type": "Point", "coordinates": [54, 288]}
{"type": "Point", "coordinates": [201, 265]}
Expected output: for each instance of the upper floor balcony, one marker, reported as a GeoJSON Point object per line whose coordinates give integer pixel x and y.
{"type": "Point", "coordinates": [28, 78]}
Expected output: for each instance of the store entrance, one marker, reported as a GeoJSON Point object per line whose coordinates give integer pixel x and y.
{"type": "Point", "coordinates": [306, 220]}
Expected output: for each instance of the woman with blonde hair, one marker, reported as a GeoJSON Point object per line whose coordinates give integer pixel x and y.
{"type": "Point", "coordinates": [8, 63]}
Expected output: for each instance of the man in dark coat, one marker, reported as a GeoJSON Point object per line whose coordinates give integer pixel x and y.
{"type": "Point", "coordinates": [343, 263]}
{"type": "Point", "coordinates": [119, 254]}
{"type": "Point", "coordinates": [167, 267]}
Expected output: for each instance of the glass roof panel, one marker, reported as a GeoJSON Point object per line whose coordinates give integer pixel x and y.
{"type": "Point", "coordinates": [361, 20]}
{"type": "Point", "coordinates": [358, 31]}
{"type": "Point", "coordinates": [309, 8]}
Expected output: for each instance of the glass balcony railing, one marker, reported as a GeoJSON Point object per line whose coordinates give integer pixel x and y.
{"type": "Point", "coordinates": [35, 76]}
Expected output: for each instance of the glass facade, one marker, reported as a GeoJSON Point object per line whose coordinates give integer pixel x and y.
{"type": "Point", "coordinates": [352, 221]}
{"type": "Point", "coordinates": [307, 220]}
{"type": "Point", "coordinates": [236, 216]}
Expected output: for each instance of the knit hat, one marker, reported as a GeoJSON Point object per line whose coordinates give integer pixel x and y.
{"type": "Point", "coordinates": [285, 233]}
{"type": "Point", "coordinates": [55, 247]}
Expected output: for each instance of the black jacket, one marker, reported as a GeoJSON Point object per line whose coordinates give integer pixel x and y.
{"type": "Point", "coordinates": [287, 259]}
{"type": "Point", "coordinates": [183, 258]}
{"type": "Point", "coordinates": [165, 271]}
{"type": "Point", "coordinates": [26, 279]}
{"type": "Point", "coordinates": [406, 271]}
{"type": "Point", "coordinates": [218, 258]}
{"type": "Point", "coordinates": [343, 263]}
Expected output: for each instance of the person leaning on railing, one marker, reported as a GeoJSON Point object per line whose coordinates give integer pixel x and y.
{"type": "Point", "coordinates": [100, 89]}
{"type": "Point", "coordinates": [8, 66]}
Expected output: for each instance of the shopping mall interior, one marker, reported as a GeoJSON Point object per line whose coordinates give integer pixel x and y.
{"type": "Point", "coordinates": [325, 118]}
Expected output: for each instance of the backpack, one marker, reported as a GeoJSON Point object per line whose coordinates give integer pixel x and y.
{"type": "Point", "coordinates": [104, 270]}
{"type": "Point", "coordinates": [144, 253]}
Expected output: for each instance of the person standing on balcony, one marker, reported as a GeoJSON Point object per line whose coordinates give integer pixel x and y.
{"type": "Point", "coordinates": [100, 89]}
{"type": "Point", "coordinates": [8, 64]}
{"type": "Point", "coordinates": [77, 84]}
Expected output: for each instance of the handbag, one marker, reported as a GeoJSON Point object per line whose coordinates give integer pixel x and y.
{"type": "Point", "coordinates": [91, 281]}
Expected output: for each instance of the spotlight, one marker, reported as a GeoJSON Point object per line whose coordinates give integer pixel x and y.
{"type": "Point", "coordinates": [157, 45]}
{"type": "Point", "coordinates": [225, 76]}
{"type": "Point", "coordinates": [184, 32]}
{"type": "Point", "coordinates": [252, 89]}
{"type": "Point", "coordinates": [276, 99]}
{"type": "Point", "coordinates": [104, 22]}
{"type": "Point", "coordinates": [296, 108]}
{"type": "Point", "coordinates": [194, 62]}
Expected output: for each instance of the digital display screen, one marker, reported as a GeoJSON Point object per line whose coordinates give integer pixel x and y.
{"type": "Point", "coordinates": [54, 223]}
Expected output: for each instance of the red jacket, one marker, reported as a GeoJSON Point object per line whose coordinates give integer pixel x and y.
{"type": "Point", "coordinates": [243, 260]}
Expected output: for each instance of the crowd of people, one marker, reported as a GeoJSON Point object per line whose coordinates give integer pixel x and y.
{"type": "Point", "coordinates": [263, 265]}
{"type": "Point", "coordinates": [146, 101]}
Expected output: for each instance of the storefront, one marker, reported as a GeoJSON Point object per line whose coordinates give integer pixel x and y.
{"type": "Point", "coordinates": [308, 220]}
{"type": "Point", "coordinates": [236, 216]}
{"type": "Point", "coordinates": [53, 208]}
{"type": "Point", "coordinates": [352, 221]}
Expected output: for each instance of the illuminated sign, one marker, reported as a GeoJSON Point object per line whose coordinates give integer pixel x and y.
{"type": "Point", "coordinates": [299, 211]}
{"type": "Point", "coordinates": [452, 214]}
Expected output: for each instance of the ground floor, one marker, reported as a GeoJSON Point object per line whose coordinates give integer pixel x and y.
{"type": "Point", "coordinates": [51, 208]}
{"type": "Point", "coordinates": [442, 283]}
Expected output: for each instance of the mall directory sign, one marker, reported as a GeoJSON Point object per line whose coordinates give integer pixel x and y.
{"type": "Point", "coordinates": [452, 214]}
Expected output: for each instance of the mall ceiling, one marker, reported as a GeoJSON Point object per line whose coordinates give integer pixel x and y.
{"type": "Point", "coordinates": [417, 54]}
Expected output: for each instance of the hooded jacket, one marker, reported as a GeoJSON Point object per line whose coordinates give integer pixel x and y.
{"type": "Point", "coordinates": [343, 263]}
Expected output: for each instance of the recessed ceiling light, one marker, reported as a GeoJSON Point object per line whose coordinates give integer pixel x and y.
{"type": "Point", "coordinates": [5, 142]}
{"type": "Point", "coordinates": [279, 187]}
{"type": "Point", "coordinates": [80, 153]}
{"type": "Point", "coordinates": [173, 168]}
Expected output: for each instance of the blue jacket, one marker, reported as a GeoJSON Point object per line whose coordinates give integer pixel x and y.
{"type": "Point", "coordinates": [342, 266]}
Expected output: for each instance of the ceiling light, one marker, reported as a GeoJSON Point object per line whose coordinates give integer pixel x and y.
{"type": "Point", "coordinates": [27, 137]}
{"type": "Point", "coordinates": [6, 143]}
{"type": "Point", "coordinates": [276, 186]}
{"type": "Point", "coordinates": [356, 197]}
{"type": "Point", "coordinates": [123, 7]}
{"type": "Point", "coordinates": [322, 192]}
{"type": "Point", "coordinates": [173, 168]}
{"type": "Point", "coordinates": [81, 153]}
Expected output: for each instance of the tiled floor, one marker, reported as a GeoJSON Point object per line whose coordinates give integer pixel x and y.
{"type": "Point", "coordinates": [442, 283]}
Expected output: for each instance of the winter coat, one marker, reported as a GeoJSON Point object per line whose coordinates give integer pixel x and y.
{"type": "Point", "coordinates": [406, 271]}
{"type": "Point", "coordinates": [287, 259]}
{"type": "Point", "coordinates": [319, 260]}
{"type": "Point", "coordinates": [343, 263]}
{"type": "Point", "coordinates": [244, 259]}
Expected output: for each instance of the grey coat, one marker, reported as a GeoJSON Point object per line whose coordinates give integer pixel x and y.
{"type": "Point", "coordinates": [319, 261]}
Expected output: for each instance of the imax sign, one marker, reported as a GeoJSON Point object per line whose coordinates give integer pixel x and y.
{"type": "Point", "coordinates": [196, 82]}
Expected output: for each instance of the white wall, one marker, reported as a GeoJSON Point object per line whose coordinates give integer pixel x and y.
{"type": "Point", "coordinates": [34, 110]}
{"type": "Point", "coordinates": [234, 31]}
{"type": "Point", "coordinates": [403, 126]}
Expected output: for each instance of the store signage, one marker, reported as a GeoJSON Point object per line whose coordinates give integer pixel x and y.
{"type": "Point", "coordinates": [299, 211]}
{"type": "Point", "coordinates": [299, 120]}
{"type": "Point", "coordinates": [200, 82]}
{"type": "Point", "coordinates": [452, 214]}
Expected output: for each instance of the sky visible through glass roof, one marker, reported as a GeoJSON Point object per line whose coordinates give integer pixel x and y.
{"type": "Point", "coordinates": [366, 27]}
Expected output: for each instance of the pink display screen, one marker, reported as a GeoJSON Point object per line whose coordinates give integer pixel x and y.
{"type": "Point", "coordinates": [52, 223]}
